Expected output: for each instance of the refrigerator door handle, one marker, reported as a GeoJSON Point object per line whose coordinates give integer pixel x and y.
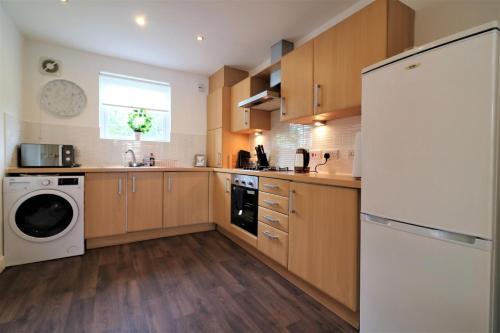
{"type": "Point", "coordinates": [467, 240]}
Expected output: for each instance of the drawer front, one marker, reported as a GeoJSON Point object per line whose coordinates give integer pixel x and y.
{"type": "Point", "coordinates": [273, 202]}
{"type": "Point", "coordinates": [273, 243]}
{"type": "Point", "coordinates": [274, 219]}
{"type": "Point", "coordinates": [274, 186]}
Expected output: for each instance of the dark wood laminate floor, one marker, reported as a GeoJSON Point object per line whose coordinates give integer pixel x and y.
{"type": "Point", "coordinates": [194, 283]}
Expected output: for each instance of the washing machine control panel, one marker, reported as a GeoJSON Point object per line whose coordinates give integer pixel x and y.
{"type": "Point", "coordinates": [45, 182]}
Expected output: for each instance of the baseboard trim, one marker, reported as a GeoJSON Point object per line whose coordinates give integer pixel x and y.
{"type": "Point", "coordinates": [339, 309]}
{"type": "Point", "coordinates": [138, 236]}
{"type": "Point", "coordinates": [2, 263]}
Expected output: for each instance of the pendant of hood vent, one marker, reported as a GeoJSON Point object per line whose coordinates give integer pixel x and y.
{"type": "Point", "coordinates": [269, 100]}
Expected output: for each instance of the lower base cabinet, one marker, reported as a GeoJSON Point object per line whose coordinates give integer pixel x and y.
{"type": "Point", "coordinates": [273, 243]}
{"type": "Point", "coordinates": [324, 239]}
{"type": "Point", "coordinates": [144, 201]}
{"type": "Point", "coordinates": [222, 199]}
{"type": "Point", "coordinates": [105, 204]}
{"type": "Point", "coordinates": [185, 198]}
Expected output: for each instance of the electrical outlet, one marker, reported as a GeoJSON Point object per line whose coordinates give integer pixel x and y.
{"type": "Point", "coordinates": [334, 153]}
{"type": "Point", "coordinates": [316, 154]}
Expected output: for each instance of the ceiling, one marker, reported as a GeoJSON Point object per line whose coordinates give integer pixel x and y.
{"type": "Point", "coordinates": [237, 33]}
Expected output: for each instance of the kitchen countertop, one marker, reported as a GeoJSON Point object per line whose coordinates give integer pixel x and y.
{"type": "Point", "coordinates": [312, 178]}
{"type": "Point", "coordinates": [94, 169]}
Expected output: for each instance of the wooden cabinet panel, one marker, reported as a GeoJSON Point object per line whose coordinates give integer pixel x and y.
{"type": "Point", "coordinates": [324, 239]}
{"type": "Point", "coordinates": [297, 83]}
{"type": "Point", "coordinates": [273, 202]}
{"type": "Point", "coordinates": [342, 52]}
{"type": "Point", "coordinates": [105, 204]}
{"type": "Point", "coordinates": [214, 148]}
{"type": "Point", "coordinates": [240, 117]}
{"type": "Point", "coordinates": [274, 186]}
{"type": "Point", "coordinates": [273, 243]}
{"type": "Point", "coordinates": [246, 120]}
{"type": "Point", "coordinates": [144, 201]}
{"type": "Point", "coordinates": [185, 198]}
{"type": "Point", "coordinates": [274, 219]}
{"type": "Point", "coordinates": [222, 199]}
{"type": "Point", "coordinates": [214, 109]}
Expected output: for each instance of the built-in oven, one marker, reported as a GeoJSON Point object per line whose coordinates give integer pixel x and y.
{"type": "Point", "coordinates": [244, 202]}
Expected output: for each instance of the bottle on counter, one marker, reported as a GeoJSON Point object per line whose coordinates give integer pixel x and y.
{"type": "Point", "coordinates": [152, 160]}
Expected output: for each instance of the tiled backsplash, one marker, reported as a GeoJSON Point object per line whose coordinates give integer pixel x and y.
{"type": "Point", "coordinates": [283, 139]}
{"type": "Point", "coordinates": [92, 151]}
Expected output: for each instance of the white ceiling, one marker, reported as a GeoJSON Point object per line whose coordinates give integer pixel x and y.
{"type": "Point", "coordinates": [237, 33]}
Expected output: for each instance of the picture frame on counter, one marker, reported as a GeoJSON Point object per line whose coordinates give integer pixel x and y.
{"type": "Point", "coordinates": [200, 160]}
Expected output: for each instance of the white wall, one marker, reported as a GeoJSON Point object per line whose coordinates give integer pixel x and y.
{"type": "Point", "coordinates": [11, 49]}
{"type": "Point", "coordinates": [188, 107]}
{"type": "Point", "coordinates": [435, 19]}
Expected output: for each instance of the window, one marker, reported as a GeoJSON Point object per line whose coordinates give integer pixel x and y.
{"type": "Point", "coordinates": [120, 95]}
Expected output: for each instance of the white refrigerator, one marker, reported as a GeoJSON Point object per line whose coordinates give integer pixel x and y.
{"type": "Point", "coordinates": [430, 181]}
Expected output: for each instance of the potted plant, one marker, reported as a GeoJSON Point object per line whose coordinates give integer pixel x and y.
{"type": "Point", "coordinates": [140, 122]}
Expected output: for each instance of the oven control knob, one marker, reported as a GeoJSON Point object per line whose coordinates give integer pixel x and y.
{"type": "Point", "coordinates": [236, 180]}
{"type": "Point", "coordinates": [45, 182]}
{"type": "Point", "coordinates": [243, 182]}
{"type": "Point", "coordinates": [251, 184]}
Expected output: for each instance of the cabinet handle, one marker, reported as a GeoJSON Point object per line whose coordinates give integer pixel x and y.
{"type": "Point", "coordinates": [270, 219]}
{"type": "Point", "coordinates": [271, 186]}
{"type": "Point", "coordinates": [120, 186]}
{"type": "Point", "coordinates": [270, 203]}
{"type": "Point", "coordinates": [170, 183]}
{"type": "Point", "coordinates": [270, 235]}
{"type": "Point", "coordinates": [317, 96]}
{"type": "Point", "coordinates": [219, 159]}
{"type": "Point", "coordinates": [133, 184]}
{"type": "Point", "coordinates": [246, 117]}
{"type": "Point", "coordinates": [226, 187]}
{"type": "Point", "coordinates": [292, 193]}
{"type": "Point", "coordinates": [282, 106]}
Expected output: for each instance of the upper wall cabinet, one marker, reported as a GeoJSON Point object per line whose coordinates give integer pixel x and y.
{"type": "Point", "coordinates": [336, 58]}
{"type": "Point", "coordinates": [246, 120]}
{"type": "Point", "coordinates": [217, 105]}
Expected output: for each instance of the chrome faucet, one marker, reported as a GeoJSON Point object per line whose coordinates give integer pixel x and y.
{"type": "Point", "coordinates": [134, 162]}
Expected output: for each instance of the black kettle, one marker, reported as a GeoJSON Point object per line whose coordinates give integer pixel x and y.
{"type": "Point", "coordinates": [301, 160]}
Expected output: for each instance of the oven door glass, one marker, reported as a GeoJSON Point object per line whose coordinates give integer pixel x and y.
{"type": "Point", "coordinates": [244, 206]}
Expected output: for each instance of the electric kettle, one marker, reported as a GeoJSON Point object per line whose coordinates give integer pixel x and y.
{"type": "Point", "coordinates": [301, 160]}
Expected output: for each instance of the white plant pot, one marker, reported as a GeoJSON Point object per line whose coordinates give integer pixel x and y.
{"type": "Point", "coordinates": [137, 136]}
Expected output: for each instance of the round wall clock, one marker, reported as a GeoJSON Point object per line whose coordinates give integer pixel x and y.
{"type": "Point", "coordinates": [63, 98]}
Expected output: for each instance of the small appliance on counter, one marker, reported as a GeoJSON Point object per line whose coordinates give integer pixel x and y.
{"type": "Point", "coordinates": [301, 160]}
{"type": "Point", "coordinates": [32, 155]}
{"type": "Point", "coordinates": [243, 160]}
{"type": "Point", "coordinates": [262, 161]}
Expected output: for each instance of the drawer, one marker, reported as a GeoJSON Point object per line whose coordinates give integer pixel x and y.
{"type": "Point", "coordinates": [274, 186]}
{"type": "Point", "coordinates": [273, 243]}
{"type": "Point", "coordinates": [274, 202]}
{"type": "Point", "coordinates": [274, 219]}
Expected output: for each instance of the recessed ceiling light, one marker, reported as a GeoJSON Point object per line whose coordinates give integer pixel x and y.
{"type": "Point", "coordinates": [199, 38]}
{"type": "Point", "coordinates": [64, 1]}
{"type": "Point", "coordinates": [140, 20]}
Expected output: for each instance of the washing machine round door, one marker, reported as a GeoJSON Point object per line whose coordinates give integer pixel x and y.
{"type": "Point", "coordinates": [43, 215]}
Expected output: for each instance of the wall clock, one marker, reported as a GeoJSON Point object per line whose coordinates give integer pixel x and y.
{"type": "Point", "coordinates": [63, 98]}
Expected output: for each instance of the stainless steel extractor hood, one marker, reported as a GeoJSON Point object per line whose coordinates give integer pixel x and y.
{"type": "Point", "coordinates": [268, 100]}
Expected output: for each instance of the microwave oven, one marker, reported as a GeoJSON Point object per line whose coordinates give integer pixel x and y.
{"type": "Point", "coordinates": [46, 155]}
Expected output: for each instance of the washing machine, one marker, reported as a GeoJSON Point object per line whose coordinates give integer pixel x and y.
{"type": "Point", "coordinates": [43, 218]}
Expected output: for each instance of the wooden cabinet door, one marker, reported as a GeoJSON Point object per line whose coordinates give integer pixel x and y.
{"type": "Point", "coordinates": [240, 117]}
{"type": "Point", "coordinates": [222, 200]}
{"type": "Point", "coordinates": [324, 239]}
{"type": "Point", "coordinates": [297, 83]}
{"type": "Point", "coordinates": [185, 198]}
{"type": "Point", "coordinates": [214, 109]}
{"type": "Point", "coordinates": [214, 148]}
{"type": "Point", "coordinates": [342, 52]}
{"type": "Point", "coordinates": [145, 200]}
{"type": "Point", "coordinates": [105, 204]}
